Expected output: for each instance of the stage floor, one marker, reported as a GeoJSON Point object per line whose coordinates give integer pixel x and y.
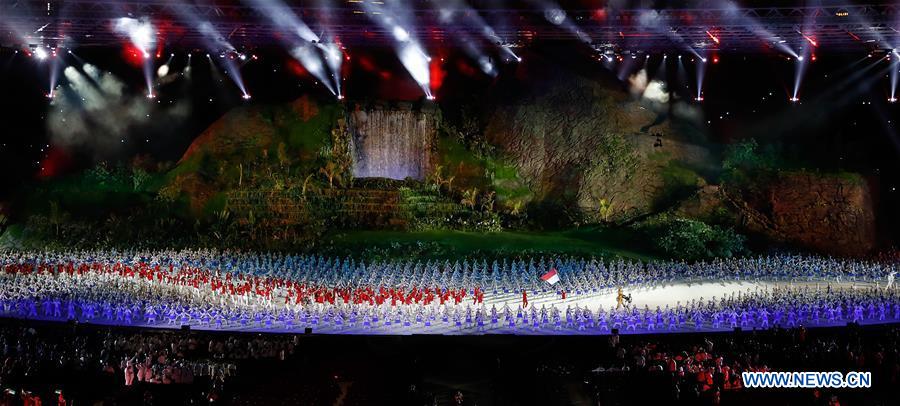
{"type": "Point", "coordinates": [667, 295]}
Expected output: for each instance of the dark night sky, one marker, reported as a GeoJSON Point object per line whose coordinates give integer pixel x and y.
{"type": "Point", "coordinates": [837, 125]}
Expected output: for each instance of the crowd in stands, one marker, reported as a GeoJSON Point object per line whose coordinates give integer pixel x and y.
{"type": "Point", "coordinates": [242, 368]}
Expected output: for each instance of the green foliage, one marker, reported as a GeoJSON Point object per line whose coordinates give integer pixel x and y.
{"type": "Point", "coordinates": [189, 165]}
{"type": "Point", "coordinates": [216, 203]}
{"type": "Point", "coordinates": [604, 209]}
{"type": "Point", "coordinates": [849, 177]}
{"type": "Point", "coordinates": [140, 179]}
{"type": "Point", "coordinates": [470, 198]}
{"type": "Point", "coordinates": [487, 201]}
{"type": "Point", "coordinates": [56, 216]}
{"type": "Point", "coordinates": [283, 159]}
{"type": "Point", "coordinates": [456, 244]}
{"type": "Point", "coordinates": [438, 181]}
{"type": "Point", "coordinates": [745, 163]}
{"type": "Point", "coordinates": [169, 193]}
{"type": "Point", "coordinates": [314, 133]}
{"type": "Point", "coordinates": [680, 182]}
{"type": "Point", "coordinates": [103, 177]}
{"type": "Point", "coordinates": [469, 165]}
{"type": "Point", "coordinates": [515, 207]}
{"type": "Point", "coordinates": [747, 155]}
{"type": "Point", "coordinates": [615, 155]}
{"type": "Point", "coordinates": [689, 239]}
{"type": "Point", "coordinates": [505, 180]}
{"type": "Point", "coordinates": [331, 172]}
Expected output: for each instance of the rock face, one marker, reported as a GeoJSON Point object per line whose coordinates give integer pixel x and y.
{"type": "Point", "coordinates": [827, 213]}
{"type": "Point", "coordinates": [393, 143]}
{"type": "Point", "coordinates": [577, 141]}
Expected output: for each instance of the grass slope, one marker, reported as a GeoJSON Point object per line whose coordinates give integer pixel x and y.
{"type": "Point", "coordinates": [599, 242]}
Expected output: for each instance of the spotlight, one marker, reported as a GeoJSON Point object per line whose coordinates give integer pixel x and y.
{"type": "Point", "coordinates": [340, 97]}
{"type": "Point", "coordinates": [800, 58]}
{"type": "Point", "coordinates": [49, 95]}
{"type": "Point", "coordinates": [698, 98]}
{"type": "Point", "coordinates": [703, 59]}
{"type": "Point", "coordinates": [892, 100]}
{"type": "Point", "coordinates": [518, 59]}
{"type": "Point", "coordinates": [246, 96]}
{"type": "Point", "coordinates": [430, 97]}
{"type": "Point", "coordinates": [151, 95]}
{"type": "Point", "coordinates": [40, 53]}
{"type": "Point", "coordinates": [794, 99]}
{"type": "Point", "coordinates": [400, 34]}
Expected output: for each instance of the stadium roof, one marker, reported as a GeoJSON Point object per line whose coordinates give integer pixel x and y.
{"type": "Point", "coordinates": [716, 26]}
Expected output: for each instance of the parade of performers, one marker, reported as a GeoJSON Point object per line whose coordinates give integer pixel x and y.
{"type": "Point", "coordinates": [275, 292]}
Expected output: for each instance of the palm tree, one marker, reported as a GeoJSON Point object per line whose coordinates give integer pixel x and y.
{"type": "Point", "coordinates": [605, 210]}
{"type": "Point", "coordinates": [306, 185]}
{"type": "Point", "coordinates": [57, 216]}
{"type": "Point", "coordinates": [470, 198]}
{"type": "Point", "coordinates": [331, 172]}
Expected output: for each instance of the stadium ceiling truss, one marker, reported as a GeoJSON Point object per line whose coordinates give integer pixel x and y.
{"type": "Point", "coordinates": [75, 23]}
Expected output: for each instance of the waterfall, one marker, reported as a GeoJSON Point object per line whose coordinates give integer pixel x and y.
{"type": "Point", "coordinates": [391, 143]}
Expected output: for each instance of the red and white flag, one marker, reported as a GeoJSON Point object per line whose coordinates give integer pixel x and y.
{"type": "Point", "coordinates": [551, 277]}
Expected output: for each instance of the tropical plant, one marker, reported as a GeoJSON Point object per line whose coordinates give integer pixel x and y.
{"type": "Point", "coordinates": [515, 207]}
{"type": "Point", "coordinates": [170, 192]}
{"type": "Point", "coordinates": [605, 210]}
{"type": "Point", "coordinates": [331, 171]}
{"type": "Point", "coordinates": [470, 198]}
{"type": "Point", "coordinates": [487, 201]}
{"type": "Point", "coordinates": [693, 239]}
{"type": "Point", "coordinates": [449, 183]}
{"type": "Point", "coordinates": [283, 158]}
{"type": "Point", "coordinates": [308, 185]}
{"type": "Point", "coordinates": [57, 216]}
{"type": "Point", "coordinates": [139, 178]}
{"type": "Point", "coordinates": [437, 176]}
